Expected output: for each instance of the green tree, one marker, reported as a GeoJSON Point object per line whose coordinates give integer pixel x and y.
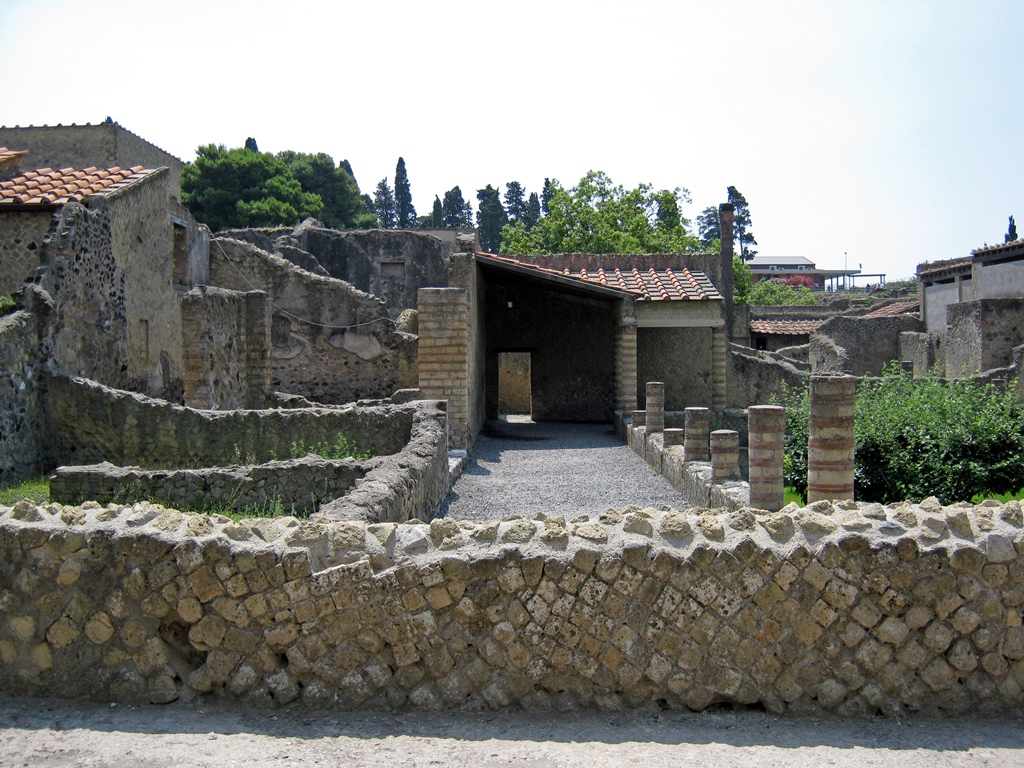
{"type": "Point", "coordinates": [775, 293]}
{"type": "Point", "coordinates": [227, 188]}
{"type": "Point", "coordinates": [250, 144]}
{"type": "Point", "coordinates": [741, 284]}
{"type": "Point", "coordinates": [532, 217]}
{"type": "Point", "coordinates": [709, 227]}
{"type": "Point", "coordinates": [384, 204]}
{"type": "Point", "coordinates": [515, 202]}
{"type": "Point", "coordinates": [596, 216]}
{"type": "Point", "coordinates": [336, 186]}
{"type": "Point", "coordinates": [404, 211]}
{"type": "Point", "coordinates": [437, 213]}
{"type": "Point", "coordinates": [490, 218]}
{"type": "Point", "coordinates": [742, 235]}
{"type": "Point", "coordinates": [1011, 233]}
{"type": "Point", "coordinates": [547, 192]}
{"type": "Point", "coordinates": [455, 211]}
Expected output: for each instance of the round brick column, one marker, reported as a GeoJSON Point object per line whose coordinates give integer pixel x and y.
{"type": "Point", "coordinates": [673, 437]}
{"type": "Point", "coordinates": [830, 440]}
{"type": "Point", "coordinates": [766, 447]}
{"type": "Point", "coordinates": [725, 455]}
{"type": "Point", "coordinates": [655, 406]}
{"type": "Point", "coordinates": [639, 418]}
{"type": "Point", "coordinates": [697, 423]}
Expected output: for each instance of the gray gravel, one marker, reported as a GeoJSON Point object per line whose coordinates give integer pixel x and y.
{"type": "Point", "coordinates": [521, 467]}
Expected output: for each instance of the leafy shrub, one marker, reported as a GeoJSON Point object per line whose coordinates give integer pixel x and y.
{"type": "Point", "coordinates": [775, 292]}
{"type": "Point", "coordinates": [922, 437]}
{"type": "Point", "coordinates": [341, 448]}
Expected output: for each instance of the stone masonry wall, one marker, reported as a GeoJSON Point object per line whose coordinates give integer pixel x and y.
{"type": "Point", "coordinates": [24, 443]}
{"type": "Point", "coordinates": [982, 335]}
{"type": "Point", "coordinates": [92, 423]}
{"type": "Point", "coordinates": [859, 346]}
{"type": "Point", "coordinates": [331, 342]}
{"type": "Point", "coordinates": [681, 357]}
{"type": "Point", "coordinates": [21, 247]}
{"type": "Point", "coordinates": [850, 609]}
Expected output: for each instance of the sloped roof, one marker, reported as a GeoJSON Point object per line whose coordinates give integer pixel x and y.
{"type": "Point", "coordinates": [786, 327]}
{"type": "Point", "coordinates": [760, 262]}
{"type": "Point", "coordinates": [7, 155]}
{"type": "Point", "coordinates": [49, 187]}
{"type": "Point", "coordinates": [896, 308]}
{"type": "Point", "coordinates": [947, 265]}
{"type": "Point", "coordinates": [649, 285]}
{"type": "Point", "coordinates": [999, 249]}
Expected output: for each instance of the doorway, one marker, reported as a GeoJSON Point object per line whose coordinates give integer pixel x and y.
{"type": "Point", "coordinates": [514, 389]}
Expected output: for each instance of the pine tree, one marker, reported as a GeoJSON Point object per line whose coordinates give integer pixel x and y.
{"type": "Point", "coordinates": [515, 201]}
{"type": "Point", "coordinates": [532, 218]}
{"type": "Point", "coordinates": [546, 194]}
{"type": "Point", "coordinates": [455, 211]}
{"type": "Point", "coordinates": [744, 238]}
{"type": "Point", "coordinates": [709, 227]}
{"type": "Point", "coordinates": [384, 204]}
{"type": "Point", "coordinates": [405, 213]}
{"type": "Point", "coordinates": [1011, 233]}
{"type": "Point", "coordinates": [490, 218]}
{"type": "Point", "coordinates": [437, 214]}
{"type": "Point", "coordinates": [250, 144]}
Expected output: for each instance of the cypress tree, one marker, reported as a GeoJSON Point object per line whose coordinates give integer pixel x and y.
{"type": "Point", "coordinates": [405, 213]}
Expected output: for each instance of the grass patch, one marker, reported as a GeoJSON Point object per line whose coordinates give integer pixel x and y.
{"type": "Point", "coordinates": [36, 490]}
{"type": "Point", "coordinates": [7, 305]}
{"type": "Point", "coordinates": [791, 494]}
{"type": "Point", "coordinates": [1003, 497]}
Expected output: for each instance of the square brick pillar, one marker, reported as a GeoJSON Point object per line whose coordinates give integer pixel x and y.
{"type": "Point", "coordinates": [444, 339]}
{"type": "Point", "coordinates": [625, 365]}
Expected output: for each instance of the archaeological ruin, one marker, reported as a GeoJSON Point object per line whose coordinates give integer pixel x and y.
{"type": "Point", "coordinates": [167, 376]}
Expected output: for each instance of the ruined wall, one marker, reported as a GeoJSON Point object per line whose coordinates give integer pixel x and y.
{"type": "Point", "coordinates": [939, 296]}
{"type": "Point", "coordinates": [117, 315]}
{"type": "Point", "coordinates": [330, 342]}
{"type": "Point", "coordinates": [680, 357]}
{"type": "Point", "coordinates": [21, 246]}
{"type": "Point", "coordinates": [226, 348]}
{"type": "Point", "coordinates": [754, 377]}
{"type": "Point", "coordinates": [982, 334]}
{"type": "Point", "coordinates": [922, 351]}
{"type": "Point", "coordinates": [851, 609]}
{"type": "Point", "coordinates": [92, 423]}
{"type": "Point", "coordinates": [24, 443]}
{"type": "Point", "coordinates": [571, 342]}
{"type": "Point", "coordinates": [859, 345]}
{"type": "Point", "coordinates": [103, 145]}
{"type": "Point", "coordinates": [392, 265]}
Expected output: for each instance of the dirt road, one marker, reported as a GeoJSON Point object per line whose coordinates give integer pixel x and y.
{"type": "Point", "coordinates": [36, 732]}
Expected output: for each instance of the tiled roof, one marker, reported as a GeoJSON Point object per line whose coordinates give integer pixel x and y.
{"type": "Point", "coordinates": [990, 249]}
{"type": "Point", "coordinates": [942, 266]}
{"type": "Point", "coordinates": [651, 285]}
{"type": "Point", "coordinates": [896, 308]}
{"type": "Point", "coordinates": [785, 327]}
{"type": "Point", "coordinates": [49, 187]}
{"type": "Point", "coordinates": [7, 155]}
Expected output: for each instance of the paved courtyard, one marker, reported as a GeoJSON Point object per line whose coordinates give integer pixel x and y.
{"type": "Point", "coordinates": [523, 467]}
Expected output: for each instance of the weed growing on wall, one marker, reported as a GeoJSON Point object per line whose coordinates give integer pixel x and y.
{"type": "Point", "coordinates": [37, 490]}
{"type": "Point", "coordinates": [7, 305]}
{"type": "Point", "coordinates": [915, 438]}
{"type": "Point", "coordinates": [341, 448]}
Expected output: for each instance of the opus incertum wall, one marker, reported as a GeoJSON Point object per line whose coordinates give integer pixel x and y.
{"type": "Point", "coordinates": [848, 608]}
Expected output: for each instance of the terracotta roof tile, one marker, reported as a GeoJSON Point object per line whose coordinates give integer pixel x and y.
{"type": "Point", "coordinates": [896, 308]}
{"type": "Point", "coordinates": [785, 327]}
{"type": "Point", "coordinates": [46, 186]}
{"type": "Point", "coordinates": [942, 266]}
{"type": "Point", "coordinates": [650, 285]}
{"type": "Point", "coordinates": [8, 155]}
{"type": "Point", "coordinates": [1001, 247]}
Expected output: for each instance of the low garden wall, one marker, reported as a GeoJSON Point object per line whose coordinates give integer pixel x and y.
{"type": "Point", "coordinates": [851, 608]}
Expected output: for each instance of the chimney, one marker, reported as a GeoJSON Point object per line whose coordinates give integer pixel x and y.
{"type": "Point", "coordinates": [725, 217]}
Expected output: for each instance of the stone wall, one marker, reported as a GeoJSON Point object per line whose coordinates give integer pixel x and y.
{"type": "Point", "coordinates": [92, 423]}
{"type": "Point", "coordinates": [849, 609]}
{"type": "Point", "coordinates": [21, 246]}
{"type": "Point", "coordinates": [681, 357]}
{"type": "Point", "coordinates": [226, 348]}
{"type": "Point", "coordinates": [24, 443]}
{"type": "Point", "coordinates": [922, 351]}
{"type": "Point", "coordinates": [331, 342]}
{"type": "Point", "coordinates": [859, 345]}
{"type": "Point", "coordinates": [755, 376]}
{"type": "Point", "coordinates": [103, 145]}
{"type": "Point", "coordinates": [982, 334]}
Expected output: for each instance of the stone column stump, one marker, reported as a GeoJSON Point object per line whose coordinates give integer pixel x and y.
{"type": "Point", "coordinates": [725, 455]}
{"type": "Point", "coordinates": [830, 441]}
{"type": "Point", "coordinates": [766, 447]}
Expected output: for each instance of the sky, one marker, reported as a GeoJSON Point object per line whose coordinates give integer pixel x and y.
{"type": "Point", "coordinates": [870, 133]}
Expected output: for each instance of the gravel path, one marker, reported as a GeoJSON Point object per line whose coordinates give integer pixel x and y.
{"type": "Point", "coordinates": [38, 732]}
{"type": "Point", "coordinates": [522, 467]}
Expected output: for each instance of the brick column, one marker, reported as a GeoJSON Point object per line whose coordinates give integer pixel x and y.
{"type": "Point", "coordinates": [697, 423]}
{"type": "Point", "coordinates": [257, 348]}
{"type": "Point", "coordinates": [444, 355]}
{"type": "Point", "coordinates": [725, 455]}
{"type": "Point", "coordinates": [673, 437]}
{"type": "Point", "coordinates": [625, 365]}
{"type": "Point", "coordinates": [655, 406]}
{"type": "Point", "coordinates": [766, 427]}
{"type": "Point", "coordinates": [831, 440]}
{"type": "Point", "coordinates": [718, 383]}
{"type": "Point", "coordinates": [639, 418]}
